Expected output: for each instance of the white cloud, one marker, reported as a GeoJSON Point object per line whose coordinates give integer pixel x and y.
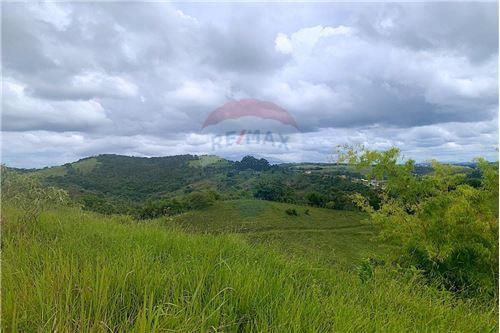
{"type": "Point", "coordinates": [84, 78]}
{"type": "Point", "coordinates": [198, 92]}
{"type": "Point", "coordinates": [21, 112]}
{"type": "Point", "coordinates": [58, 16]}
{"type": "Point", "coordinates": [104, 84]}
{"type": "Point", "coordinates": [283, 44]}
{"type": "Point", "coordinates": [302, 42]}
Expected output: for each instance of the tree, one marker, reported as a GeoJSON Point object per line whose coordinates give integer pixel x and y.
{"type": "Point", "coordinates": [445, 227]}
{"type": "Point", "coordinates": [273, 191]}
{"type": "Point", "coordinates": [250, 162]}
{"type": "Point", "coordinates": [200, 200]}
{"type": "Point", "coordinates": [316, 199]}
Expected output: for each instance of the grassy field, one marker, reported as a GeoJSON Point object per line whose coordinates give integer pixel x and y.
{"type": "Point", "coordinates": [77, 271]}
{"type": "Point", "coordinates": [84, 166]}
{"type": "Point", "coordinates": [322, 235]}
{"type": "Point", "coordinates": [206, 160]}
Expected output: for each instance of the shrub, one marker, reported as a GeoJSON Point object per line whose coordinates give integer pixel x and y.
{"type": "Point", "coordinates": [365, 270]}
{"type": "Point", "coordinates": [330, 205]}
{"type": "Point", "coordinates": [199, 200]}
{"type": "Point", "coordinates": [316, 199]}
{"type": "Point", "coordinates": [98, 203]}
{"type": "Point", "coordinates": [445, 227]}
{"type": "Point", "coordinates": [157, 208]}
{"type": "Point", "coordinates": [343, 201]}
{"type": "Point", "coordinates": [273, 191]}
{"type": "Point", "coordinates": [168, 207]}
{"type": "Point", "coordinates": [251, 163]}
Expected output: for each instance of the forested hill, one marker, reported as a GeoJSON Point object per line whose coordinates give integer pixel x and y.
{"type": "Point", "coordinates": [140, 178]}
{"type": "Point", "coordinates": [134, 178]}
{"type": "Point", "coordinates": [124, 184]}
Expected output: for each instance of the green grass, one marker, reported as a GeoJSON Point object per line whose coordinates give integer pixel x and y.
{"type": "Point", "coordinates": [77, 271]}
{"type": "Point", "coordinates": [52, 171]}
{"type": "Point", "coordinates": [322, 235]}
{"type": "Point", "coordinates": [206, 160]}
{"type": "Point", "coordinates": [85, 166]}
{"type": "Point", "coordinates": [320, 167]}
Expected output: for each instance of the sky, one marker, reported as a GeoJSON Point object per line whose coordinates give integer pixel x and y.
{"type": "Point", "coordinates": [82, 79]}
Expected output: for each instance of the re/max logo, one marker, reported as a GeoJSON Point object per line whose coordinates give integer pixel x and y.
{"type": "Point", "coordinates": [248, 137]}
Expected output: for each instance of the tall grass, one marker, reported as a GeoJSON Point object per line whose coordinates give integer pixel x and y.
{"type": "Point", "coordinates": [75, 271]}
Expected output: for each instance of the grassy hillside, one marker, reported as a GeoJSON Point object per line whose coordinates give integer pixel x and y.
{"type": "Point", "coordinates": [319, 234]}
{"type": "Point", "coordinates": [114, 184]}
{"type": "Point", "coordinates": [83, 166]}
{"type": "Point", "coordinates": [76, 271]}
{"type": "Point", "coordinates": [124, 177]}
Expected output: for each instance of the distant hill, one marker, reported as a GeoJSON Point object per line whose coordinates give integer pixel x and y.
{"type": "Point", "coordinates": [124, 184]}
{"type": "Point", "coordinates": [125, 179]}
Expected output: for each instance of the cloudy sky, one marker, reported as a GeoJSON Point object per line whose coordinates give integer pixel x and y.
{"type": "Point", "coordinates": [81, 79]}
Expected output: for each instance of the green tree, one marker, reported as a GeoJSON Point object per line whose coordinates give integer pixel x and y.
{"type": "Point", "coordinates": [274, 191]}
{"type": "Point", "coordinates": [316, 199]}
{"type": "Point", "coordinates": [252, 163]}
{"type": "Point", "coordinates": [200, 200]}
{"type": "Point", "coordinates": [445, 227]}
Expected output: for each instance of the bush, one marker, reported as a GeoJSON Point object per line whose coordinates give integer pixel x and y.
{"type": "Point", "coordinates": [251, 163]}
{"type": "Point", "coordinates": [99, 204]}
{"type": "Point", "coordinates": [273, 191]}
{"type": "Point", "coordinates": [343, 201]}
{"type": "Point", "coordinates": [168, 207]}
{"type": "Point", "coordinates": [445, 227]}
{"type": "Point", "coordinates": [200, 200]}
{"type": "Point", "coordinates": [291, 212]}
{"type": "Point", "coordinates": [330, 205]}
{"type": "Point", "coordinates": [157, 208]}
{"type": "Point", "coordinates": [316, 199]}
{"type": "Point", "coordinates": [365, 270]}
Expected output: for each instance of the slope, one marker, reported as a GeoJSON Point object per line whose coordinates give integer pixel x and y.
{"type": "Point", "coordinates": [320, 234]}
{"type": "Point", "coordinates": [76, 271]}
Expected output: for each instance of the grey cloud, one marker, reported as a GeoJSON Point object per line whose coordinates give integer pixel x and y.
{"type": "Point", "coordinates": [246, 45]}
{"type": "Point", "coordinates": [21, 48]}
{"type": "Point", "coordinates": [463, 27]}
{"type": "Point", "coordinates": [144, 83]}
{"type": "Point", "coordinates": [372, 83]}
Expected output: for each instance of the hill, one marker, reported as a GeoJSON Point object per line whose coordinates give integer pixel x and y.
{"type": "Point", "coordinates": [78, 271]}
{"type": "Point", "coordinates": [325, 235]}
{"type": "Point", "coordinates": [123, 184]}
{"type": "Point", "coordinates": [211, 263]}
{"type": "Point", "coordinates": [125, 177]}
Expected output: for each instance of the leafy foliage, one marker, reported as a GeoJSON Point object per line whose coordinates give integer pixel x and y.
{"type": "Point", "coordinates": [114, 184]}
{"type": "Point", "coordinates": [273, 191]}
{"type": "Point", "coordinates": [130, 178]}
{"type": "Point", "coordinates": [316, 199]}
{"type": "Point", "coordinates": [447, 228]}
{"type": "Point", "coordinates": [250, 162]}
{"type": "Point", "coordinates": [152, 277]}
{"type": "Point", "coordinates": [168, 207]}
